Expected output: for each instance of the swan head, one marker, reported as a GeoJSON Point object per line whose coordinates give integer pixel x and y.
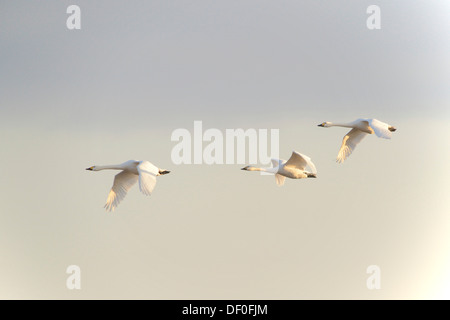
{"type": "Point", "coordinates": [250, 168]}
{"type": "Point", "coordinates": [311, 175]}
{"type": "Point", "coordinates": [325, 124]}
{"type": "Point", "coordinates": [162, 172]}
{"type": "Point", "coordinates": [91, 168]}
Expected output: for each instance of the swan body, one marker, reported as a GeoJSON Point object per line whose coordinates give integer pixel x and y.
{"type": "Point", "coordinates": [360, 128]}
{"type": "Point", "coordinates": [132, 171]}
{"type": "Point", "coordinates": [294, 168]}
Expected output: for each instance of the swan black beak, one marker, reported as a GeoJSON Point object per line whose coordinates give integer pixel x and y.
{"type": "Point", "coordinates": [312, 175]}
{"type": "Point", "coordinates": [90, 168]}
{"type": "Point", "coordinates": [392, 129]}
{"type": "Point", "coordinates": [320, 125]}
{"type": "Point", "coordinates": [162, 172]}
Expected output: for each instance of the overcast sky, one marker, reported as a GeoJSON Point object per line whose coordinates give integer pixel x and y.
{"type": "Point", "coordinates": [137, 70]}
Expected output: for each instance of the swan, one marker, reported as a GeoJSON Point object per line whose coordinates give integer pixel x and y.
{"type": "Point", "coordinates": [360, 128]}
{"type": "Point", "coordinates": [132, 171]}
{"type": "Point", "coordinates": [294, 168]}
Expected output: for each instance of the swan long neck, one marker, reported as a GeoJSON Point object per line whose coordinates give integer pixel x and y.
{"type": "Point", "coordinates": [109, 167]}
{"type": "Point", "coordinates": [340, 124]}
{"type": "Point", "coordinates": [270, 170]}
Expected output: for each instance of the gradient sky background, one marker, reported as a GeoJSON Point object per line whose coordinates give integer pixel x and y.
{"type": "Point", "coordinates": [137, 70]}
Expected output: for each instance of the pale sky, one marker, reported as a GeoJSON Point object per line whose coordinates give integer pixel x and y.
{"type": "Point", "coordinates": [136, 71]}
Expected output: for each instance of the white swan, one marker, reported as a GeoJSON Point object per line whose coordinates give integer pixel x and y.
{"type": "Point", "coordinates": [294, 168]}
{"type": "Point", "coordinates": [132, 171]}
{"type": "Point", "coordinates": [360, 128]}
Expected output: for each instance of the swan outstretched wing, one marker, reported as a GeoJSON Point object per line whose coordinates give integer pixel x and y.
{"type": "Point", "coordinates": [296, 160]}
{"type": "Point", "coordinates": [123, 181]}
{"type": "Point", "coordinates": [279, 179]}
{"type": "Point", "coordinates": [310, 163]}
{"type": "Point", "coordinates": [147, 177]}
{"type": "Point", "coordinates": [277, 162]}
{"type": "Point", "coordinates": [300, 161]}
{"type": "Point", "coordinates": [349, 143]}
{"type": "Point", "coordinates": [381, 129]}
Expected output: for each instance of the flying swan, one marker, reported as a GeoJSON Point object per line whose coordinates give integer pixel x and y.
{"type": "Point", "coordinates": [360, 128]}
{"type": "Point", "coordinates": [132, 171]}
{"type": "Point", "coordinates": [294, 168]}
